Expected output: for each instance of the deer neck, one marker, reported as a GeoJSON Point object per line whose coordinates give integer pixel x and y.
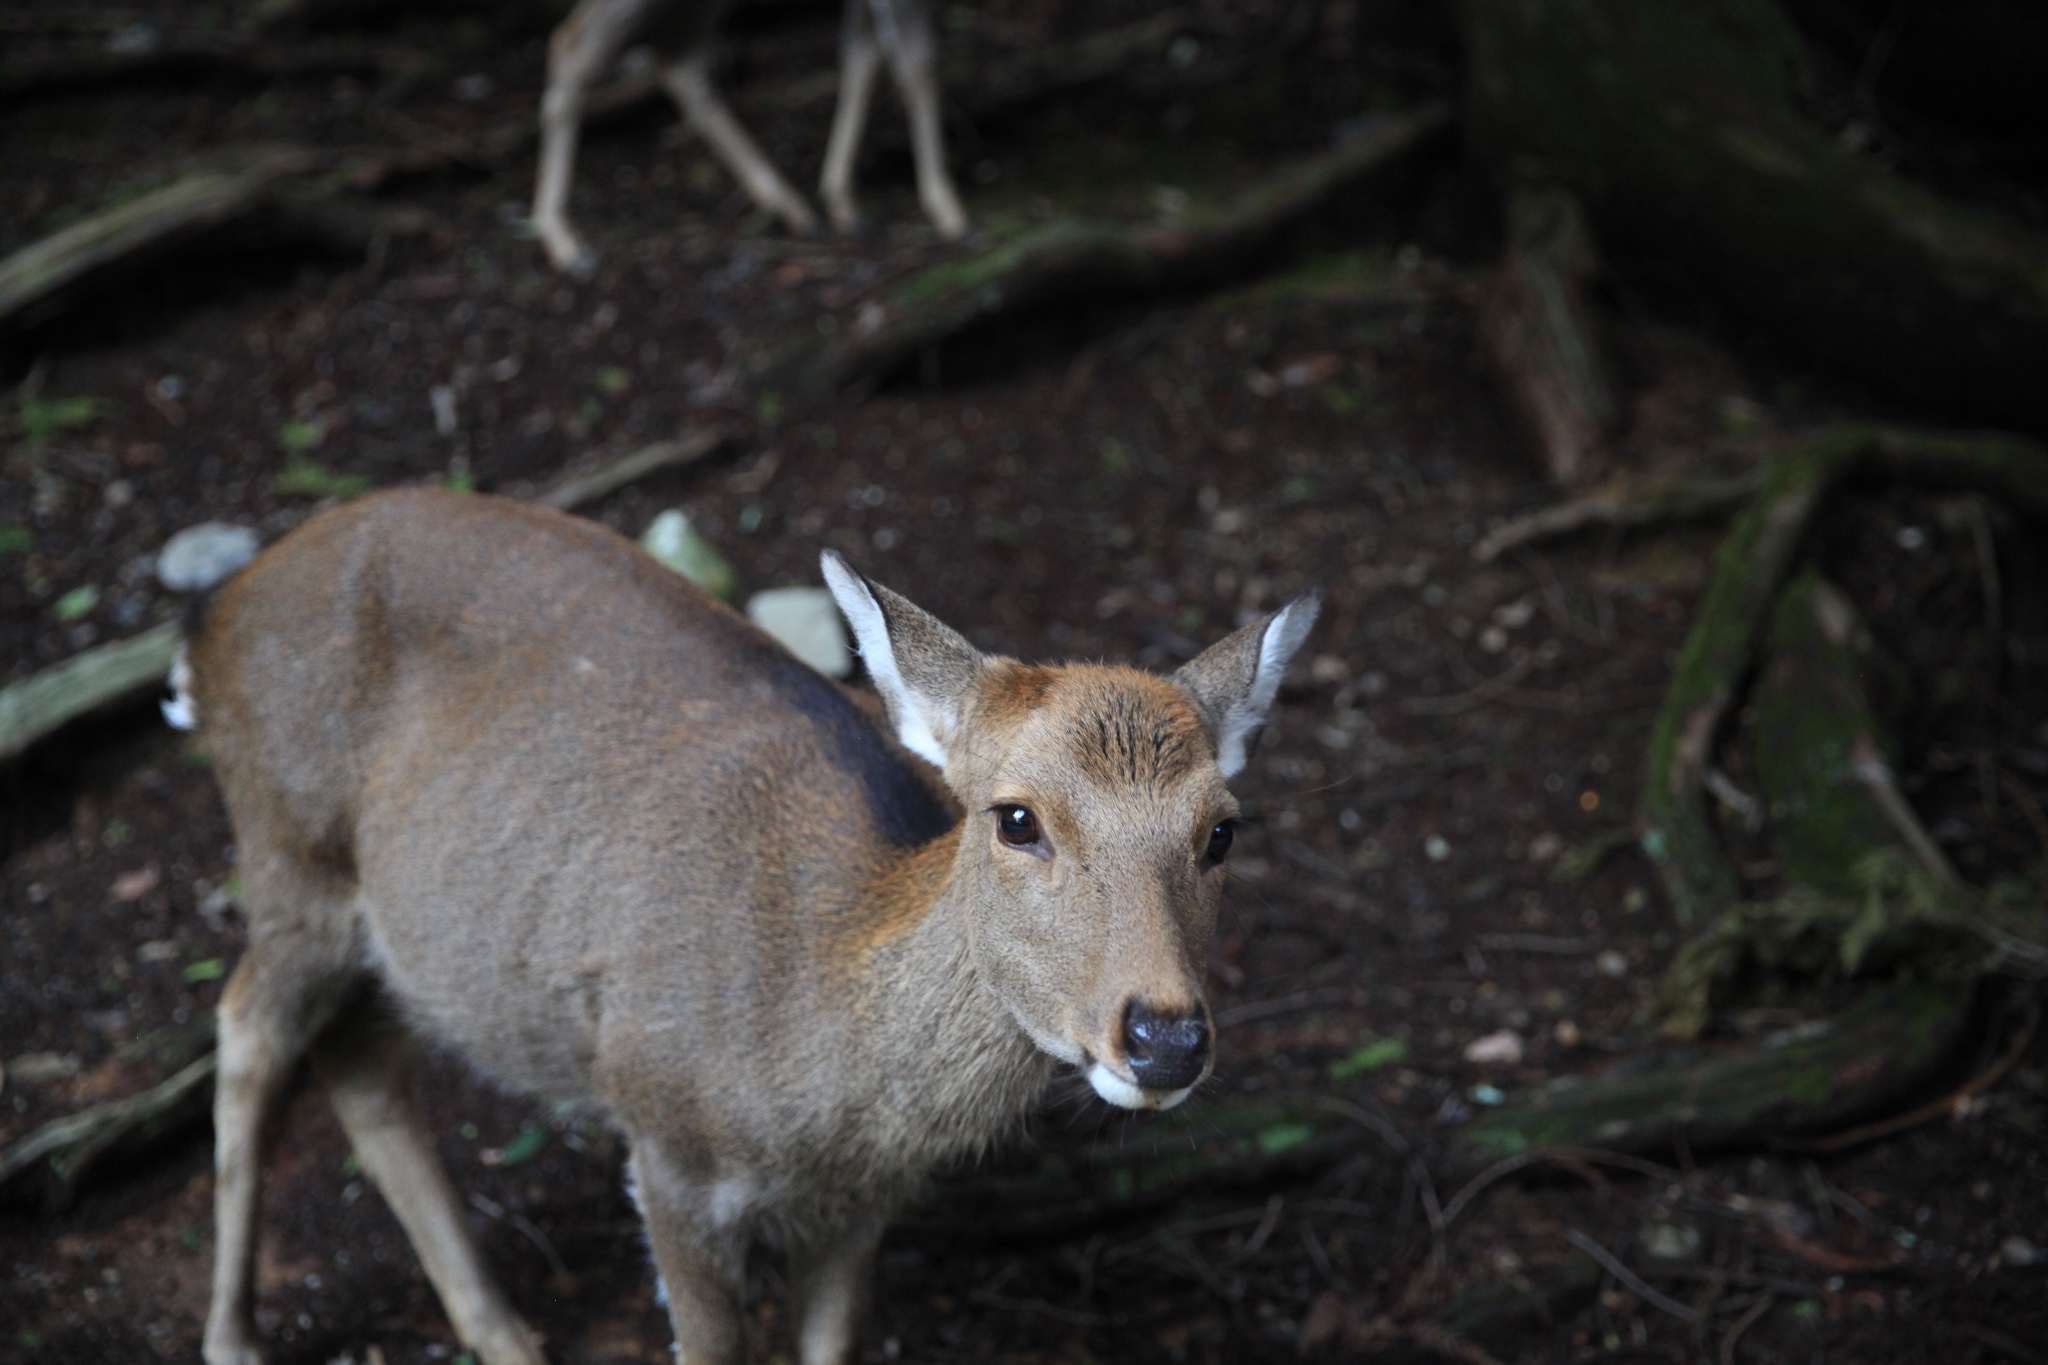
{"type": "Point", "coordinates": [942, 1040]}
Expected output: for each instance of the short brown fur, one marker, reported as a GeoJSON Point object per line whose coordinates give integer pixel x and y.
{"type": "Point", "coordinates": [501, 781]}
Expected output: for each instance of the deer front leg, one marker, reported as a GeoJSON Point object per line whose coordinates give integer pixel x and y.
{"type": "Point", "coordinates": [699, 1252]}
{"type": "Point", "coordinates": [860, 61]}
{"type": "Point", "coordinates": [688, 80]}
{"type": "Point", "coordinates": [366, 1064]}
{"type": "Point", "coordinates": [580, 50]}
{"type": "Point", "coordinates": [905, 28]}
{"type": "Point", "coordinates": [831, 1284]}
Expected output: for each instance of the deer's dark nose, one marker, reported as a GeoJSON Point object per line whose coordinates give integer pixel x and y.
{"type": "Point", "coordinates": [1166, 1051]}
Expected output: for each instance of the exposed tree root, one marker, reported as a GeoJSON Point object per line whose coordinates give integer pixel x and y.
{"type": "Point", "coordinates": [1812, 1079]}
{"type": "Point", "coordinates": [1762, 546]}
{"type": "Point", "coordinates": [1072, 259]}
{"type": "Point", "coordinates": [1685, 128]}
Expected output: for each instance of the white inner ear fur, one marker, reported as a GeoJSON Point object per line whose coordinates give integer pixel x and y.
{"type": "Point", "coordinates": [919, 719]}
{"type": "Point", "coordinates": [1284, 634]}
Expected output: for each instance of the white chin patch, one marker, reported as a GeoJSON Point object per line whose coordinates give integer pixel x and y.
{"type": "Point", "coordinates": [1124, 1095]}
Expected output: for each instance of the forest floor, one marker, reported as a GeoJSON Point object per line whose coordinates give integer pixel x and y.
{"type": "Point", "coordinates": [1125, 483]}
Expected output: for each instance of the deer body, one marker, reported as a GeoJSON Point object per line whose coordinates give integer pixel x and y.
{"type": "Point", "coordinates": [587, 43]}
{"type": "Point", "coordinates": [501, 781]}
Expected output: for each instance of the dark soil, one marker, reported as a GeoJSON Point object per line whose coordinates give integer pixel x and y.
{"type": "Point", "coordinates": [1127, 486]}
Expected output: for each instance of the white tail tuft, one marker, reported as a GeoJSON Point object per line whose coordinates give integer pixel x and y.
{"type": "Point", "coordinates": [180, 711]}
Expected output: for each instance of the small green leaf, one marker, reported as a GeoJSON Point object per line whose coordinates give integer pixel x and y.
{"type": "Point", "coordinates": [15, 540]}
{"type": "Point", "coordinates": [351, 1166]}
{"type": "Point", "coordinates": [76, 603]}
{"type": "Point", "coordinates": [461, 481]}
{"type": "Point", "coordinates": [468, 1131]}
{"type": "Point", "coordinates": [1115, 456]}
{"type": "Point", "coordinates": [1807, 1310]}
{"type": "Point", "coordinates": [1281, 1137]}
{"type": "Point", "coordinates": [612, 380]}
{"type": "Point", "coordinates": [29, 1338]}
{"type": "Point", "coordinates": [304, 478]}
{"type": "Point", "coordinates": [590, 409]}
{"type": "Point", "coordinates": [1381, 1052]}
{"type": "Point", "coordinates": [525, 1147]}
{"type": "Point", "coordinates": [299, 438]}
{"type": "Point", "coordinates": [191, 1240]}
{"type": "Point", "coordinates": [42, 418]}
{"type": "Point", "coordinates": [768, 408]}
{"type": "Point", "coordinates": [206, 969]}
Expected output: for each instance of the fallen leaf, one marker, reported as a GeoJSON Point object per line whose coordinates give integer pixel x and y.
{"type": "Point", "coordinates": [1503, 1047]}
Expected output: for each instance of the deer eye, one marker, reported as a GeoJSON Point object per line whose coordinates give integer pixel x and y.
{"type": "Point", "coordinates": [1219, 841]}
{"type": "Point", "coordinates": [1016, 826]}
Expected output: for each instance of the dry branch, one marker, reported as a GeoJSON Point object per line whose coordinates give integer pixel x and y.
{"type": "Point", "coordinates": [575, 489]}
{"type": "Point", "coordinates": [1072, 259]}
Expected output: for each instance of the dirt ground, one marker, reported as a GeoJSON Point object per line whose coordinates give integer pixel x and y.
{"type": "Point", "coordinates": [1127, 484]}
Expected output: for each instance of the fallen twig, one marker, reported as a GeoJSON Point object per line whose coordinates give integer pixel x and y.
{"type": "Point", "coordinates": [1612, 1264]}
{"type": "Point", "coordinates": [1743, 1324]}
{"type": "Point", "coordinates": [65, 1151]}
{"type": "Point", "coordinates": [573, 490]}
{"type": "Point", "coordinates": [1620, 505]}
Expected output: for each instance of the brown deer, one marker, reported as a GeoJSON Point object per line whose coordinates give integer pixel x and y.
{"type": "Point", "coordinates": [586, 44]}
{"type": "Point", "coordinates": [501, 781]}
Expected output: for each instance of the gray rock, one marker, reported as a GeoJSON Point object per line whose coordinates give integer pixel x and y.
{"type": "Point", "coordinates": [807, 622]}
{"type": "Point", "coordinates": [671, 539]}
{"type": "Point", "coordinates": [200, 556]}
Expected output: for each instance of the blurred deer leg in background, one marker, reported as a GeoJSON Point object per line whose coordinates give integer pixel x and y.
{"type": "Point", "coordinates": [700, 1257]}
{"type": "Point", "coordinates": [581, 49]}
{"type": "Point", "coordinates": [860, 61]}
{"type": "Point", "coordinates": [905, 30]}
{"type": "Point", "coordinates": [688, 80]}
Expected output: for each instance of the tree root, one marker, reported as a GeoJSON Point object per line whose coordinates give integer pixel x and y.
{"type": "Point", "coordinates": [1811, 1079]}
{"type": "Point", "coordinates": [1758, 555]}
{"type": "Point", "coordinates": [1071, 259]}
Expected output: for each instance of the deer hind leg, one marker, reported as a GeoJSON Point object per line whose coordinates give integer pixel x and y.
{"type": "Point", "coordinates": [582, 47]}
{"type": "Point", "coordinates": [831, 1280]}
{"type": "Point", "coordinates": [301, 964]}
{"type": "Point", "coordinates": [860, 61]}
{"type": "Point", "coordinates": [365, 1061]}
{"type": "Point", "coordinates": [905, 28]}
{"type": "Point", "coordinates": [688, 80]}
{"type": "Point", "coordinates": [698, 1236]}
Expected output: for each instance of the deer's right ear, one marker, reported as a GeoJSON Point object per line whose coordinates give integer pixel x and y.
{"type": "Point", "coordinates": [925, 670]}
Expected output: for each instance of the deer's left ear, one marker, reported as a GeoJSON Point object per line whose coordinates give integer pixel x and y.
{"type": "Point", "coordinates": [1235, 680]}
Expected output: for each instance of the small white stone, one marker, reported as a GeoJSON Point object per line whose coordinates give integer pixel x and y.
{"type": "Point", "coordinates": [201, 556]}
{"type": "Point", "coordinates": [1669, 1241]}
{"type": "Point", "coordinates": [1503, 1047]}
{"type": "Point", "coordinates": [2018, 1251]}
{"type": "Point", "coordinates": [1436, 847]}
{"type": "Point", "coordinates": [808, 624]}
{"type": "Point", "coordinates": [1611, 963]}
